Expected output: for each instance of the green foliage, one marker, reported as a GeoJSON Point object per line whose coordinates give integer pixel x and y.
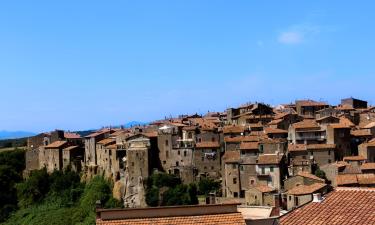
{"type": "Point", "coordinates": [34, 189]}
{"type": "Point", "coordinates": [207, 185]}
{"type": "Point", "coordinates": [321, 174]}
{"type": "Point", "coordinates": [11, 166]}
{"type": "Point", "coordinates": [175, 192]}
{"type": "Point", "coordinates": [14, 159]}
{"type": "Point", "coordinates": [65, 201]}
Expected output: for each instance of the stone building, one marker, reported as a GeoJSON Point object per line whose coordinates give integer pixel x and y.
{"type": "Point", "coordinates": [51, 156]}
{"type": "Point", "coordinates": [302, 178]}
{"type": "Point", "coordinates": [207, 159]}
{"type": "Point", "coordinates": [270, 170]}
{"type": "Point", "coordinates": [308, 108]}
{"type": "Point", "coordinates": [231, 176]}
{"type": "Point", "coordinates": [306, 132]}
{"type": "Point", "coordinates": [367, 150]}
{"type": "Point", "coordinates": [137, 169]}
{"type": "Point", "coordinates": [303, 194]}
{"type": "Point", "coordinates": [73, 157]}
{"type": "Point", "coordinates": [260, 195]}
{"type": "Point", "coordinates": [355, 103]}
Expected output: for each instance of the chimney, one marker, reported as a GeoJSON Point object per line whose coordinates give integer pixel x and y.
{"type": "Point", "coordinates": [317, 197]}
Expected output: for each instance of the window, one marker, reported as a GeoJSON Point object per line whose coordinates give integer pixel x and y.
{"type": "Point", "coordinates": [329, 152]}
{"type": "Point", "coordinates": [329, 161]}
{"type": "Point", "coordinates": [234, 166]}
{"type": "Point", "coordinates": [177, 164]}
{"type": "Point", "coordinates": [263, 170]}
{"type": "Point", "coordinates": [185, 153]}
{"type": "Point", "coordinates": [178, 152]}
{"type": "Point", "coordinates": [234, 180]}
{"type": "Point", "coordinates": [132, 163]}
{"type": "Point", "coordinates": [213, 139]}
{"type": "Point", "coordinates": [202, 158]}
{"type": "Point", "coordinates": [260, 148]}
{"type": "Point", "coordinates": [252, 182]}
{"type": "Point", "coordinates": [205, 167]}
{"type": "Point", "coordinates": [212, 168]}
{"type": "Point", "coordinates": [243, 152]}
{"type": "Point", "coordinates": [164, 162]}
{"type": "Point", "coordinates": [255, 197]}
{"type": "Point", "coordinates": [190, 135]}
{"type": "Point", "coordinates": [235, 194]}
{"type": "Point", "coordinates": [167, 154]}
{"type": "Point", "coordinates": [199, 139]}
{"type": "Point", "coordinates": [242, 168]}
{"type": "Point", "coordinates": [166, 143]}
{"type": "Point", "coordinates": [271, 169]}
{"type": "Point", "coordinates": [303, 157]}
{"type": "Point", "coordinates": [290, 198]}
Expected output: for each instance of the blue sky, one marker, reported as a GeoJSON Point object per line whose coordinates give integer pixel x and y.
{"type": "Point", "coordinates": [85, 64]}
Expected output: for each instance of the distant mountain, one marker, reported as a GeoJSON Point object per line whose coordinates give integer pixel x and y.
{"type": "Point", "coordinates": [14, 134]}
{"type": "Point", "coordinates": [134, 123]}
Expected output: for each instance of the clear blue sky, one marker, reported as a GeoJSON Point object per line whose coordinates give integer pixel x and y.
{"type": "Point", "coordinates": [85, 64]}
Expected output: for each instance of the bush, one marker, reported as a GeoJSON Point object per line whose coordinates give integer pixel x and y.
{"type": "Point", "coordinates": [207, 185]}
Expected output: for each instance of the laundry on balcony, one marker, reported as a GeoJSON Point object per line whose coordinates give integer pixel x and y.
{"type": "Point", "coordinates": [210, 155]}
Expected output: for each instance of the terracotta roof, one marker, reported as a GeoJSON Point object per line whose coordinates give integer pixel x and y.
{"type": "Point", "coordinates": [343, 206]}
{"type": "Point", "coordinates": [366, 179]}
{"type": "Point", "coordinates": [215, 219]}
{"type": "Point", "coordinates": [264, 188]}
{"type": "Point", "coordinates": [310, 103]}
{"type": "Point", "coordinates": [362, 132]}
{"type": "Point", "coordinates": [190, 128]}
{"type": "Point", "coordinates": [306, 124]}
{"type": "Point", "coordinates": [368, 166]}
{"type": "Point", "coordinates": [326, 117]}
{"type": "Point", "coordinates": [370, 125]}
{"type": "Point", "coordinates": [339, 126]}
{"type": "Point", "coordinates": [249, 146]}
{"type": "Point", "coordinates": [97, 133]}
{"type": "Point", "coordinates": [255, 125]}
{"type": "Point", "coordinates": [311, 176]}
{"type": "Point", "coordinates": [269, 159]}
{"type": "Point", "coordinates": [113, 146]}
{"type": "Point", "coordinates": [233, 129]}
{"type": "Point", "coordinates": [242, 139]}
{"type": "Point", "coordinates": [306, 189]}
{"type": "Point", "coordinates": [321, 146]}
{"type": "Point", "coordinates": [354, 158]}
{"type": "Point", "coordinates": [208, 144]}
{"type": "Point", "coordinates": [107, 141]}
{"type": "Point", "coordinates": [297, 147]}
{"type": "Point", "coordinates": [69, 135]}
{"type": "Point", "coordinates": [56, 144]}
{"type": "Point", "coordinates": [151, 134]}
{"type": "Point", "coordinates": [71, 148]}
{"type": "Point", "coordinates": [275, 122]}
{"type": "Point", "coordinates": [346, 179]}
{"type": "Point", "coordinates": [282, 115]}
{"type": "Point", "coordinates": [231, 156]}
{"type": "Point", "coordinates": [270, 130]}
{"type": "Point", "coordinates": [346, 121]}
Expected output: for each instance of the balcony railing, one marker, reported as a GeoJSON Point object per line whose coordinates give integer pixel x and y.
{"type": "Point", "coordinates": [184, 143]}
{"type": "Point", "coordinates": [313, 137]}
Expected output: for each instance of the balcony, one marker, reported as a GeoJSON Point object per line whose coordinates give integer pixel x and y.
{"type": "Point", "coordinates": [263, 174]}
{"type": "Point", "coordinates": [184, 143]}
{"type": "Point", "coordinates": [310, 137]}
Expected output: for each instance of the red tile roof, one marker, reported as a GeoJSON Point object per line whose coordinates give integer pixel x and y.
{"type": "Point", "coordinates": [218, 219]}
{"type": "Point", "coordinates": [306, 124]}
{"type": "Point", "coordinates": [368, 166]}
{"type": "Point", "coordinates": [107, 141]}
{"type": "Point", "coordinates": [352, 206]}
{"type": "Point", "coordinates": [306, 189]}
{"type": "Point", "coordinates": [311, 176]}
{"type": "Point", "coordinates": [69, 135]}
{"type": "Point", "coordinates": [208, 144]}
{"type": "Point", "coordinates": [354, 158]}
{"type": "Point", "coordinates": [56, 144]}
{"type": "Point", "coordinates": [249, 146]}
{"type": "Point", "coordinates": [269, 159]}
{"type": "Point", "coordinates": [366, 179]}
{"type": "Point", "coordinates": [264, 188]}
{"type": "Point", "coordinates": [297, 147]}
{"type": "Point", "coordinates": [231, 156]}
{"type": "Point", "coordinates": [346, 179]}
{"type": "Point", "coordinates": [321, 146]}
{"type": "Point", "coordinates": [362, 132]}
{"type": "Point", "coordinates": [233, 129]}
{"type": "Point", "coordinates": [270, 130]}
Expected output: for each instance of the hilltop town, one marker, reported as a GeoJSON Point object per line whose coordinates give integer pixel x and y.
{"type": "Point", "coordinates": [269, 161]}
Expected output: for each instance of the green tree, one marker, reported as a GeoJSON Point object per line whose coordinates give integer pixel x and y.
{"type": "Point", "coordinates": [206, 185]}
{"type": "Point", "coordinates": [321, 174]}
{"type": "Point", "coordinates": [34, 189]}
